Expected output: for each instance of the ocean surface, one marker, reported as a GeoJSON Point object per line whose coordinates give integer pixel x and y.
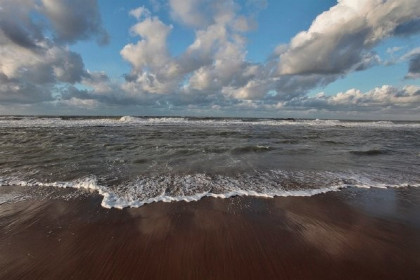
{"type": "Point", "coordinates": [132, 161]}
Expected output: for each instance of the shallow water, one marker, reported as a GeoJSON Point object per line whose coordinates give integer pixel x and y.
{"type": "Point", "coordinates": [132, 161]}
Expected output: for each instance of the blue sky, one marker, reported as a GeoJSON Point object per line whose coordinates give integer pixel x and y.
{"type": "Point", "coordinates": [257, 58]}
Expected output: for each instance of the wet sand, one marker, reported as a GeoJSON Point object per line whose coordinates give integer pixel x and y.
{"type": "Point", "coordinates": [352, 234]}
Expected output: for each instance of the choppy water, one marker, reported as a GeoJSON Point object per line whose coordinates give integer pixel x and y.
{"type": "Point", "coordinates": [132, 161]}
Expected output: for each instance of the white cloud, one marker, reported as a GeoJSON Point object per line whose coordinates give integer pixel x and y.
{"type": "Point", "coordinates": [190, 12]}
{"type": "Point", "coordinates": [140, 12]}
{"type": "Point", "coordinates": [79, 103]}
{"type": "Point", "coordinates": [214, 60]}
{"type": "Point", "coordinates": [380, 98]}
{"type": "Point", "coordinates": [32, 64]}
{"type": "Point", "coordinates": [151, 51]}
{"type": "Point", "coordinates": [254, 89]}
{"type": "Point", "coordinates": [153, 70]}
{"type": "Point", "coordinates": [340, 40]}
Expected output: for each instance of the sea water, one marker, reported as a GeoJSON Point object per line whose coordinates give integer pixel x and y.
{"type": "Point", "coordinates": [132, 161]}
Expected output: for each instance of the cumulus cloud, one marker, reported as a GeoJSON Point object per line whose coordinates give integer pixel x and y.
{"type": "Point", "coordinates": [151, 51]}
{"type": "Point", "coordinates": [32, 64]}
{"type": "Point", "coordinates": [214, 60]}
{"type": "Point", "coordinates": [341, 39]}
{"type": "Point", "coordinates": [78, 102]}
{"type": "Point", "coordinates": [381, 98]}
{"type": "Point", "coordinates": [74, 20]}
{"type": "Point", "coordinates": [140, 12]}
{"type": "Point", "coordinates": [153, 67]}
{"type": "Point", "coordinates": [190, 12]}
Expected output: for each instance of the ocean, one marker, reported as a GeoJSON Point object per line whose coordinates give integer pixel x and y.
{"type": "Point", "coordinates": [132, 161]}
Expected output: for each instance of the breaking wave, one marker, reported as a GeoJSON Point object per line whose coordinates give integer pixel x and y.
{"type": "Point", "coordinates": [171, 188]}
{"type": "Point", "coordinates": [14, 121]}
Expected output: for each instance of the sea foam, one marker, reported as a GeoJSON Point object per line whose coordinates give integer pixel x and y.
{"type": "Point", "coordinates": [141, 121]}
{"type": "Point", "coordinates": [194, 187]}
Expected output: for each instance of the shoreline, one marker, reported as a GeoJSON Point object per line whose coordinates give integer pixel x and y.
{"type": "Point", "coordinates": [351, 234]}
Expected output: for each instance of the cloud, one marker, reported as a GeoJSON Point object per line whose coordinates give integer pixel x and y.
{"type": "Point", "coordinates": [408, 28]}
{"type": "Point", "coordinates": [79, 103]}
{"type": "Point", "coordinates": [211, 61]}
{"type": "Point", "coordinates": [341, 39]}
{"type": "Point", "coordinates": [214, 60]}
{"type": "Point", "coordinates": [152, 66]}
{"type": "Point", "coordinates": [190, 12]}
{"type": "Point", "coordinates": [140, 12]}
{"type": "Point", "coordinates": [151, 51]}
{"type": "Point", "coordinates": [413, 58]}
{"type": "Point", "coordinates": [256, 5]}
{"type": "Point", "coordinates": [33, 66]}
{"type": "Point", "coordinates": [378, 99]}
{"type": "Point", "coordinates": [74, 20]}
{"type": "Point", "coordinates": [414, 67]}
{"type": "Point", "coordinates": [14, 91]}
{"type": "Point", "coordinates": [16, 26]}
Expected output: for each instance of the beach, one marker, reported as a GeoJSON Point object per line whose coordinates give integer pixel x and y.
{"type": "Point", "coordinates": [336, 235]}
{"type": "Point", "coordinates": [224, 139]}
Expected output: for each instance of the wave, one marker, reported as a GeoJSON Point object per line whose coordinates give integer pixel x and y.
{"type": "Point", "coordinates": [143, 120]}
{"type": "Point", "coordinates": [139, 121]}
{"type": "Point", "coordinates": [127, 119]}
{"type": "Point", "coordinates": [170, 188]}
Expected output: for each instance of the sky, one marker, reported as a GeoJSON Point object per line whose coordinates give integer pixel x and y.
{"type": "Point", "coordinates": [346, 59]}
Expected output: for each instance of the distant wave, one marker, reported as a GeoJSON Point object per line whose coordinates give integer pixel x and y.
{"type": "Point", "coordinates": [127, 119]}
{"type": "Point", "coordinates": [10, 121]}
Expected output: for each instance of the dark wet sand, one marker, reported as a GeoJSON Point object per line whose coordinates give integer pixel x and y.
{"type": "Point", "coordinates": [353, 234]}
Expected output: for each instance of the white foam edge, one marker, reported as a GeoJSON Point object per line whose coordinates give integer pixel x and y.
{"type": "Point", "coordinates": [120, 203]}
{"type": "Point", "coordinates": [112, 200]}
